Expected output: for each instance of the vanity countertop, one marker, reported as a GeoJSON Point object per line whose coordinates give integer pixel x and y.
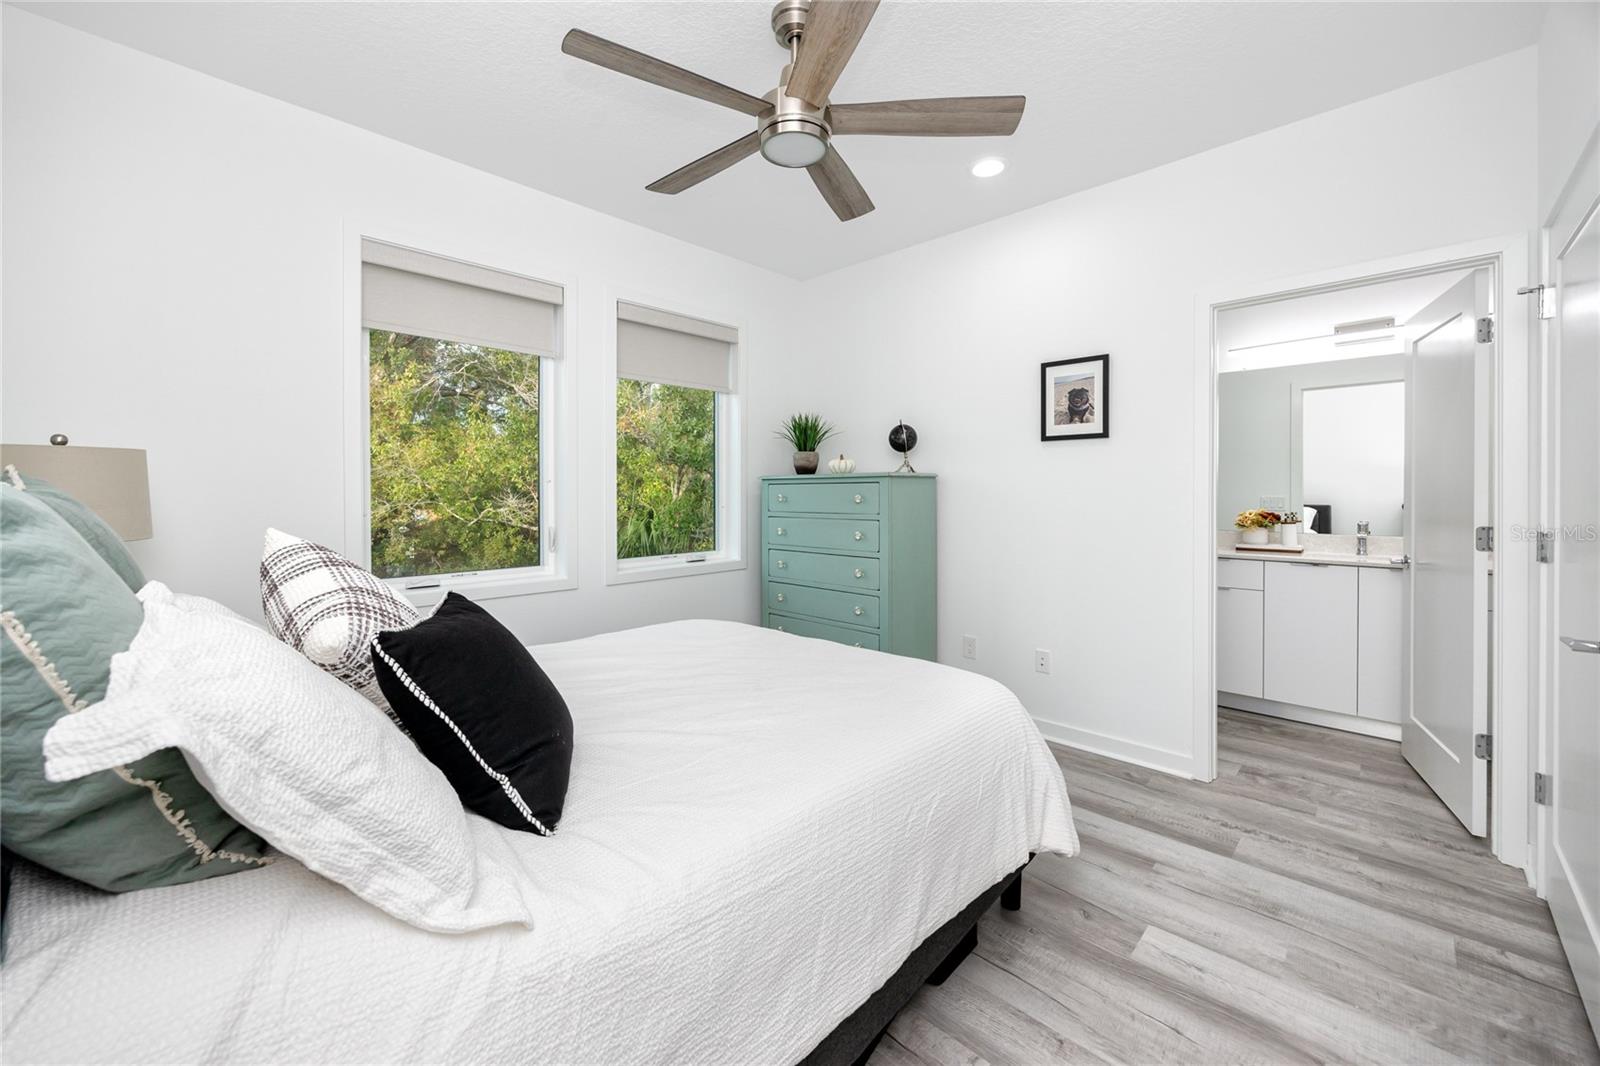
{"type": "Point", "coordinates": [1325, 558]}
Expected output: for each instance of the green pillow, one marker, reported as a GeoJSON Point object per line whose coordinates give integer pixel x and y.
{"type": "Point", "coordinates": [63, 614]}
{"type": "Point", "coordinates": [90, 526]}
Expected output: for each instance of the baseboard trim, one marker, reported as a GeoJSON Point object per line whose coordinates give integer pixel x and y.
{"type": "Point", "coordinates": [1347, 723]}
{"type": "Point", "coordinates": [1146, 755]}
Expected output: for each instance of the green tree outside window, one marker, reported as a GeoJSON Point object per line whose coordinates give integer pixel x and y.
{"type": "Point", "coordinates": [666, 469]}
{"type": "Point", "coordinates": [455, 456]}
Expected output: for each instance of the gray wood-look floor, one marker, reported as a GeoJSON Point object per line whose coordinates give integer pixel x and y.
{"type": "Point", "coordinates": [1315, 903]}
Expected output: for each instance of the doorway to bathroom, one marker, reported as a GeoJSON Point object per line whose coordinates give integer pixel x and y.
{"type": "Point", "coordinates": [1361, 425]}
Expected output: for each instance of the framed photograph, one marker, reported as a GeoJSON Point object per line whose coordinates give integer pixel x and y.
{"type": "Point", "coordinates": [1075, 398]}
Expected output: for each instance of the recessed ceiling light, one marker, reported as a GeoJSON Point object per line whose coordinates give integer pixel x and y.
{"type": "Point", "coordinates": [988, 167]}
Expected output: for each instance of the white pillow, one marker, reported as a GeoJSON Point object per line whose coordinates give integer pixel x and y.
{"type": "Point", "coordinates": [299, 758]}
{"type": "Point", "coordinates": [328, 608]}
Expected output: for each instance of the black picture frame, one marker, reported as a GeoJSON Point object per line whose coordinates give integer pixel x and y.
{"type": "Point", "coordinates": [1098, 373]}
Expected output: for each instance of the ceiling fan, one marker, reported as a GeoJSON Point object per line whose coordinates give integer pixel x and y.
{"type": "Point", "coordinates": [796, 121]}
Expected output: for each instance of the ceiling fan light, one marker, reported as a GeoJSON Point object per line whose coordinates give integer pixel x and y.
{"type": "Point", "coordinates": [794, 148]}
{"type": "Point", "coordinates": [988, 166]}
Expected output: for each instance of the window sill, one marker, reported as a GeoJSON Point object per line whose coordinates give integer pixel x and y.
{"type": "Point", "coordinates": [628, 571]}
{"type": "Point", "coordinates": [484, 587]}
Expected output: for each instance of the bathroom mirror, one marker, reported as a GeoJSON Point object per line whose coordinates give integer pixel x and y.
{"type": "Point", "coordinates": [1328, 434]}
{"type": "Point", "coordinates": [1352, 454]}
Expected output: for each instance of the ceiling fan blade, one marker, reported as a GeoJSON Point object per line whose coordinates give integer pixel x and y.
{"type": "Point", "coordinates": [707, 165]}
{"type": "Point", "coordinates": [954, 116]}
{"type": "Point", "coordinates": [839, 186]}
{"type": "Point", "coordinates": [625, 60]}
{"type": "Point", "coordinates": [833, 29]}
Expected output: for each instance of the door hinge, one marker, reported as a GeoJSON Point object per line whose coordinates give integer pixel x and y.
{"type": "Point", "coordinates": [1547, 298]}
{"type": "Point", "coordinates": [1544, 549]}
{"type": "Point", "coordinates": [1483, 746]}
{"type": "Point", "coordinates": [1485, 329]}
{"type": "Point", "coordinates": [1542, 788]}
{"type": "Point", "coordinates": [1483, 536]}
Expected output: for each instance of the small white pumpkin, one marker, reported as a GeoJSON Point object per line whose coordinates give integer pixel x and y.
{"type": "Point", "coordinates": [842, 465]}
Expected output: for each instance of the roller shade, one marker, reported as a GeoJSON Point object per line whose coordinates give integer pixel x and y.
{"type": "Point", "coordinates": [407, 291]}
{"type": "Point", "coordinates": [674, 349]}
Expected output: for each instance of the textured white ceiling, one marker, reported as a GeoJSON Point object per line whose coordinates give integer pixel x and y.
{"type": "Point", "coordinates": [1113, 89]}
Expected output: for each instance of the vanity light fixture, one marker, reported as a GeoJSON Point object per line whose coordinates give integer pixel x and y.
{"type": "Point", "coordinates": [988, 166]}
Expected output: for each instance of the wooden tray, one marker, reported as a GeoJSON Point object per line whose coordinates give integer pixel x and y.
{"type": "Point", "coordinates": [1282, 549]}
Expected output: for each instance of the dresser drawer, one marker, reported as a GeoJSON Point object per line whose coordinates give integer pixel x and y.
{"type": "Point", "coordinates": [856, 608]}
{"type": "Point", "coordinates": [805, 627]}
{"type": "Point", "coordinates": [823, 497]}
{"type": "Point", "coordinates": [841, 534]}
{"type": "Point", "coordinates": [811, 568]}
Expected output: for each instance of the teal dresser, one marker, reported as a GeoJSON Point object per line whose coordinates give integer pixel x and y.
{"type": "Point", "coordinates": [851, 559]}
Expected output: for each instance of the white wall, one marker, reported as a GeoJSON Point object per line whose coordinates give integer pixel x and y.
{"type": "Point", "coordinates": [1084, 547]}
{"type": "Point", "coordinates": [1256, 446]}
{"type": "Point", "coordinates": [1569, 94]}
{"type": "Point", "coordinates": [173, 248]}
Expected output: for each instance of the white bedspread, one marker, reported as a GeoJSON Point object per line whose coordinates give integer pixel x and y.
{"type": "Point", "coordinates": [759, 829]}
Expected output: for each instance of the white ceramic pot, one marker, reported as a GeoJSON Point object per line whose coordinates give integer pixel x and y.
{"type": "Point", "coordinates": [1290, 535]}
{"type": "Point", "coordinates": [842, 465]}
{"type": "Point", "coordinates": [1252, 536]}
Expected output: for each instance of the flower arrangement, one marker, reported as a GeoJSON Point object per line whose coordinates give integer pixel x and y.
{"type": "Point", "coordinates": [1258, 519]}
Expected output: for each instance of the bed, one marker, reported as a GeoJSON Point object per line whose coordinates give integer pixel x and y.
{"type": "Point", "coordinates": [760, 832]}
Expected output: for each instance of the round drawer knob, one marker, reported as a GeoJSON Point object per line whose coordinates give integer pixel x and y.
{"type": "Point", "coordinates": [858, 644]}
{"type": "Point", "coordinates": [859, 573]}
{"type": "Point", "coordinates": [858, 497]}
{"type": "Point", "coordinates": [782, 565]}
{"type": "Point", "coordinates": [782, 630]}
{"type": "Point", "coordinates": [780, 597]}
{"type": "Point", "coordinates": [858, 610]}
{"type": "Point", "coordinates": [782, 497]}
{"type": "Point", "coordinates": [858, 534]}
{"type": "Point", "coordinates": [778, 531]}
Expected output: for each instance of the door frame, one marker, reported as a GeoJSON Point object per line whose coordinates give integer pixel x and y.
{"type": "Point", "coordinates": [1511, 494]}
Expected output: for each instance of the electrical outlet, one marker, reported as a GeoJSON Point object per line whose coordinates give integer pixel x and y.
{"type": "Point", "coordinates": [969, 647]}
{"type": "Point", "coordinates": [1041, 660]}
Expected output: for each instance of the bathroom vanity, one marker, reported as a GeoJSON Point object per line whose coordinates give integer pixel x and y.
{"type": "Point", "coordinates": [1316, 637]}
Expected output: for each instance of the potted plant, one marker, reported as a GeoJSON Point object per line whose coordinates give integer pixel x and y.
{"type": "Point", "coordinates": [805, 433]}
{"type": "Point", "coordinates": [1289, 529]}
{"type": "Point", "coordinates": [1255, 525]}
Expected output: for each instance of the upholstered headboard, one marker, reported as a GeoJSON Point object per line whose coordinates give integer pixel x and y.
{"type": "Point", "coordinates": [1323, 521]}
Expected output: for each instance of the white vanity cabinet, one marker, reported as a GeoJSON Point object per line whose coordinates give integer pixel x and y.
{"type": "Point", "coordinates": [1379, 643]}
{"type": "Point", "coordinates": [1239, 621]}
{"type": "Point", "coordinates": [1310, 636]}
{"type": "Point", "coordinates": [1321, 642]}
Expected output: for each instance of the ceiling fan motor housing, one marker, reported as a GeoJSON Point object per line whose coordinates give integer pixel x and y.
{"type": "Point", "coordinates": [793, 133]}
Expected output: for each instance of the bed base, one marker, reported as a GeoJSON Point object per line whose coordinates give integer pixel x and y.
{"type": "Point", "coordinates": [935, 959]}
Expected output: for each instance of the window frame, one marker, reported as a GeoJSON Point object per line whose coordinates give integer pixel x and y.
{"type": "Point", "coordinates": [558, 540]}
{"type": "Point", "coordinates": [728, 474]}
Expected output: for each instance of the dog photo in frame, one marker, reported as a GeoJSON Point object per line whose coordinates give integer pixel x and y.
{"type": "Point", "coordinates": [1075, 398]}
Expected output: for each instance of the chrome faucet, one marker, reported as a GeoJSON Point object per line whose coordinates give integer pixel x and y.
{"type": "Point", "coordinates": [1362, 530]}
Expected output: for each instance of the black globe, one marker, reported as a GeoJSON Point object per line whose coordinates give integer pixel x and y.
{"type": "Point", "coordinates": [902, 438]}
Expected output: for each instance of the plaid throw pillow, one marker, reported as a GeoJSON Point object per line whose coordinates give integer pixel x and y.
{"type": "Point", "coordinates": [329, 609]}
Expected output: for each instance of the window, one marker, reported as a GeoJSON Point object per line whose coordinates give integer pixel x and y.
{"type": "Point", "coordinates": [459, 363]}
{"type": "Point", "coordinates": [674, 463]}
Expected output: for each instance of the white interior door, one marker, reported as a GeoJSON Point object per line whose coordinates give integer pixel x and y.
{"type": "Point", "coordinates": [1449, 414]}
{"type": "Point", "coordinates": [1572, 832]}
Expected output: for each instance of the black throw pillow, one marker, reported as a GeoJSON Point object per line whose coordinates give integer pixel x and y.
{"type": "Point", "coordinates": [481, 709]}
